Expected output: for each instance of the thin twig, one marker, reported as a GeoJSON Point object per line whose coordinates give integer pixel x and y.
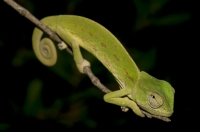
{"type": "Point", "coordinates": [34, 20]}
{"type": "Point", "coordinates": [155, 116]}
{"type": "Point", "coordinates": [95, 80]}
{"type": "Point", "coordinates": [54, 36]}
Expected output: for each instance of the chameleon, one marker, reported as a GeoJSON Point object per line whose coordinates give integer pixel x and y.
{"type": "Point", "coordinates": [138, 90]}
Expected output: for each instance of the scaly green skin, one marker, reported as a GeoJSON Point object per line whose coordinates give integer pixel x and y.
{"type": "Point", "coordinates": [143, 91]}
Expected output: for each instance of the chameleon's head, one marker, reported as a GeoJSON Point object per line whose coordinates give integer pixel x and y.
{"type": "Point", "coordinates": [154, 96]}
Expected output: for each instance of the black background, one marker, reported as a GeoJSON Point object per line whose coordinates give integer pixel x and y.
{"type": "Point", "coordinates": [176, 60]}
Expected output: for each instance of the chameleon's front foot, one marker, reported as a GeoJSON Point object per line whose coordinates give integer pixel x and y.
{"type": "Point", "coordinates": [116, 98]}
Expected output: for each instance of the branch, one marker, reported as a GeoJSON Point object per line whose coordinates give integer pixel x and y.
{"type": "Point", "coordinates": [54, 37]}
{"type": "Point", "coordinates": [155, 116]}
{"type": "Point", "coordinates": [34, 20]}
{"type": "Point", "coordinates": [95, 80]}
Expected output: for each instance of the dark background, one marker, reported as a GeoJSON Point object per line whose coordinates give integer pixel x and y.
{"type": "Point", "coordinates": [161, 37]}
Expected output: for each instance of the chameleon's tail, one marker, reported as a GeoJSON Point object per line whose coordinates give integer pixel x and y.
{"type": "Point", "coordinates": [44, 48]}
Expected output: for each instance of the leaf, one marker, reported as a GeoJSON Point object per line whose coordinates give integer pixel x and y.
{"type": "Point", "coordinates": [4, 126]}
{"type": "Point", "coordinates": [171, 19]}
{"type": "Point", "coordinates": [33, 97]}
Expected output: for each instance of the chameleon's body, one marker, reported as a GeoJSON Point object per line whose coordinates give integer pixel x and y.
{"type": "Point", "coordinates": [144, 91]}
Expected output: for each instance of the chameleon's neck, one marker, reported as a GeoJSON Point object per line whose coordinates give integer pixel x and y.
{"type": "Point", "coordinates": [129, 73]}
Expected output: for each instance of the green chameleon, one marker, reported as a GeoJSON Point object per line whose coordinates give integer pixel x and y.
{"type": "Point", "coordinates": [138, 90]}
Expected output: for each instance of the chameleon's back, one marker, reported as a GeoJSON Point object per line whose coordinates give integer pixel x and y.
{"type": "Point", "coordinates": [101, 43]}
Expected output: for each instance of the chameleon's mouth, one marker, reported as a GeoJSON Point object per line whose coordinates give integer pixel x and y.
{"type": "Point", "coordinates": [158, 112]}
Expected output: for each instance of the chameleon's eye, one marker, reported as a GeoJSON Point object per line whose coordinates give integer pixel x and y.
{"type": "Point", "coordinates": [155, 100]}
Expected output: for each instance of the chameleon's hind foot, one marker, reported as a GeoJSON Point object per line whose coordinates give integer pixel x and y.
{"type": "Point", "coordinates": [62, 45]}
{"type": "Point", "coordinates": [84, 63]}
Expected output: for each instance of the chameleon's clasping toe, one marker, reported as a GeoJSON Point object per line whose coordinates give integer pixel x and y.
{"type": "Point", "coordinates": [62, 45]}
{"type": "Point", "coordinates": [82, 65]}
{"type": "Point", "coordinates": [124, 109]}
